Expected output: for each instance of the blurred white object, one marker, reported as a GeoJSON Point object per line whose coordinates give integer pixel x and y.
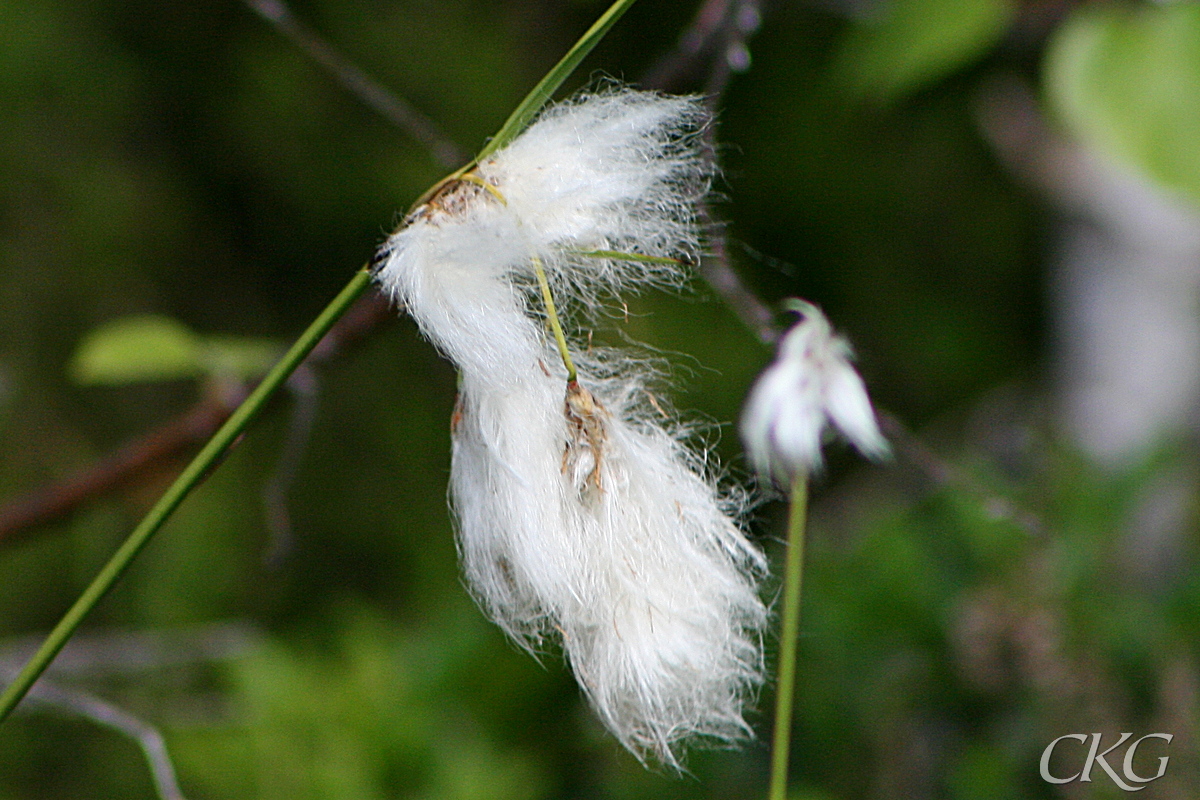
{"type": "Point", "coordinates": [1128, 320]}
{"type": "Point", "coordinates": [1125, 297]}
{"type": "Point", "coordinates": [809, 386]}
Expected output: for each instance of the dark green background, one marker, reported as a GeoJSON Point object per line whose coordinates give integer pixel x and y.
{"type": "Point", "coordinates": [186, 160]}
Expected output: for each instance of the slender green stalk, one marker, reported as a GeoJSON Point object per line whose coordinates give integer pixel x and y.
{"type": "Point", "coordinates": [620, 256]}
{"type": "Point", "coordinates": [540, 95]}
{"type": "Point", "coordinates": [552, 318]}
{"type": "Point", "coordinates": [548, 298]}
{"type": "Point", "coordinates": [187, 480]}
{"type": "Point", "coordinates": [793, 574]}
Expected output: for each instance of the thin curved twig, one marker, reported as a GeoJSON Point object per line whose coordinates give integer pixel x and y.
{"type": "Point", "coordinates": [302, 388]}
{"type": "Point", "coordinates": [390, 105]}
{"type": "Point", "coordinates": [717, 41]}
{"type": "Point", "coordinates": [148, 738]}
{"type": "Point", "coordinates": [126, 652]}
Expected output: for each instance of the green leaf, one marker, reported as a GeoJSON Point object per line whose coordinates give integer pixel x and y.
{"type": "Point", "coordinates": [152, 347]}
{"type": "Point", "coordinates": [141, 348]}
{"type": "Point", "coordinates": [917, 42]}
{"type": "Point", "coordinates": [1125, 80]}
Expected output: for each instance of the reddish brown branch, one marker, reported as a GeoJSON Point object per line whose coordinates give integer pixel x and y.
{"type": "Point", "coordinates": [713, 47]}
{"type": "Point", "coordinates": [52, 503]}
{"type": "Point", "coordinates": [191, 429]}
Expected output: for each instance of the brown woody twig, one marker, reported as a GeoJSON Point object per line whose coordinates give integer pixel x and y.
{"type": "Point", "coordinates": [390, 105]}
{"type": "Point", "coordinates": [713, 47]}
{"type": "Point", "coordinates": [192, 428]}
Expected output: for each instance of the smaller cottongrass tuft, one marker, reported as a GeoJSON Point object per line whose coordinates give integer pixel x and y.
{"type": "Point", "coordinates": [583, 512]}
{"type": "Point", "coordinates": [811, 385]}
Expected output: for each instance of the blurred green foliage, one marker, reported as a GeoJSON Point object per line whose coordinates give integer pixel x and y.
{"type": "Point", "coordinates": [150, 347]}
{"type": "Point", "coordinates": [1127, 80]}
{"type": "Point", "coordinates": [907, 44]}
{"type": "Point", "coordinates": [186, 161]}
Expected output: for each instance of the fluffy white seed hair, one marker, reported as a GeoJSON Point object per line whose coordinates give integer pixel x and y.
{"type": "Point", "coordinates": [581, 512]}
{"type": "Point", "coordinates": [623, 548]}
{"type": "Point", "coordinates": [810, 385]}
{"type": "Point", "coordinates": [617, 171]}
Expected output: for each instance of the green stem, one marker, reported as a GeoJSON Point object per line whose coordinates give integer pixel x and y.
{"type": "Point", "coordinates": [621, 256]}
{"type": "Point", "coordinates": [793, 574]}
{"type": "Point", "coordinates": [540, 94]}
{"type": "Point", "coordinates": [552, 318]}
{"type": "Point", "coordinates": [188, 479]}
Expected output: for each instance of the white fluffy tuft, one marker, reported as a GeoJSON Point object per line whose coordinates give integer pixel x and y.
{"type": "Point", "coordinates": [811, 384]}
{"type": "Point", "coordinates": [616, 170]}
{"type": "Point", "coordinates": [581, 512]}
{"type": "Point", "coordinates": [636, 564]}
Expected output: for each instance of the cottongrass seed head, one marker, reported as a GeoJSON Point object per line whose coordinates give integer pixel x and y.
{"type": "Point", "coordinates": [582, 512]}
{"type": "Point", "coordinates": [606, 532]}
{"type": "Point", "coordinates": [810, 385]}
{"type": "Point", "coordinates": [610, 171]}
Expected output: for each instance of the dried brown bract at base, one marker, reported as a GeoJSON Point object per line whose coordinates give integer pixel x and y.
{"type": "Point", "coordinates": [453, 197]}
{"type": "Point", "coordinates": [586, 433]}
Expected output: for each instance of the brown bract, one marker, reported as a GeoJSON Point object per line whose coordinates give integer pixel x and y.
{"type": "Point", "coordinates": [586, 433]}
